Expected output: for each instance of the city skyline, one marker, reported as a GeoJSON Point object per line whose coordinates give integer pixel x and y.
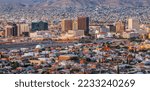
{"type": "Point", "coordinates": [75, 37]}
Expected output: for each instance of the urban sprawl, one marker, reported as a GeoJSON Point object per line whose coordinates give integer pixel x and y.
{"type": "Point", "coordinates": [75, 45]}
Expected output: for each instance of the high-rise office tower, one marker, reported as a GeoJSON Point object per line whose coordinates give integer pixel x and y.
{"type": "Point", "coordinates": [39, 26]}
{"type": "Point", "coordinates": [11, 30]}
{"type": "Point", "coordinates": [15, 30]}
{"type": "Point", "coordinates": [23, 29]}
{"type": "Point", "coordinates": [66, 25]}
{"type": "Point", "coordinates": [83, 24]}
{"type": "Point", "coordinates": [133, 24]}
{"type": "Point", "coordinates": [8, 31]}
{"type": "Point", "coordinates": [120, 27]}
{"type": "Point", "coordinates": [112, 28]}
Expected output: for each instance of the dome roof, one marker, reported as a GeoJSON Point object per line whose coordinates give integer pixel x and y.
{"type": "Point", "coordinates": [39, 46]}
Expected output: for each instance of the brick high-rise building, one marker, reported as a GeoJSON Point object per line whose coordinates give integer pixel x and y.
{"type": "Point", "coordinates": [83, 24]}
{"type": "Point", "coordinates": [66, 25]}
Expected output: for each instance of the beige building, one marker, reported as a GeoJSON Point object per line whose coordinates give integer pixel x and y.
{"type": "Point", "coordinates": [147, 29]}
{"type": "Point", "coordinates": [133, 24]}
{"type": "Point", "coordinates": [77, 33]}
{"type": "Point", "coordinates": [75, 25]}
{"type": "Point", "coordinates": [23, 28]}
{"type": "Point", "coordinates": [11, 30]}
{"type": "Point", "coordinates": [37, 62]}
{"type": "Point", "coordinates": [80, 33]}
{"type": "Point", "coordinates": [8, 30]}
{"type": "Point", "coordinates": [149, 36]}
{"type": "Point", "coordinates": [120, 27]}
{"type": "Point", "coordinates": [2, 34]}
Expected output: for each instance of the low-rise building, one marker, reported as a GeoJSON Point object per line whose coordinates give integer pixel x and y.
{"type": "Point", "coordinates": [37, 62]}
{"type": "Point", "coordinates": [128, 35]}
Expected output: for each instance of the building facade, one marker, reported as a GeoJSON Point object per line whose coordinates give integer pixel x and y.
{"type": "Point", "coordinates": [11, 30]}
{"type": "Point", "coordinates": [133, 24]}
{"type": "Point", "coordinates": [120, 27]}
{"type": "Point", "coordinates": [83, 24]}
{"type": "Point", "coordinates": [66, 25]}
{"type": "Point", "coordinates": [23, 29]}
{"type": "Point", "coordinates": [39, 26]}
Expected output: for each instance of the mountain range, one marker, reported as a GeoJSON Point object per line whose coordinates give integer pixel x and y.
{"type": "Point", "coordinates": [74, 3]}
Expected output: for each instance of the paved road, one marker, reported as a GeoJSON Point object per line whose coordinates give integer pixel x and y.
{"type": "Point", "coordinates": [33, 44]}
{"type": "Point", "coordinates": [45, 43]}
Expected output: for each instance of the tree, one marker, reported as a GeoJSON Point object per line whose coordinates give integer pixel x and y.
{"type": "Point", "coordinates": [14, 65]}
